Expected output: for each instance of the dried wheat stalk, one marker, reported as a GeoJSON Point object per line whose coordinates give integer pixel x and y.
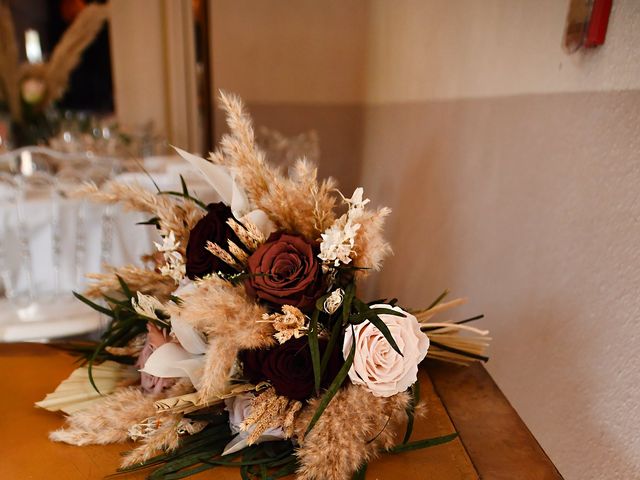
{"type": "Point", "coordinates": [296, 203]}
{"type": "Point", "coordinates": [68, 52]}
{"type": "Point", "coordinates": [9, 77]}
{"type": "Point", "coordinates": [348, 443]}
{"type": "Point", "coordinates": [138, 279]}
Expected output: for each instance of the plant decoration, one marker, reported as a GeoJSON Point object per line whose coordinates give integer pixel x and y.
{"type": "Point", "coordinates": [30, 89]}
{"type": "Point", "coordinates": [253, 344]}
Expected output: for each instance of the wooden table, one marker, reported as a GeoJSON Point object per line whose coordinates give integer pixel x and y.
{"type": "Point", "coordinates": [493, 443]}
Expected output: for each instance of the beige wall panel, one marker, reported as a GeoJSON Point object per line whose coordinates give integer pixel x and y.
{"type": "Point", "coordinates": [280, 51]}
{"type": "Point", "coordinates": [138, 62]}
{"type": "Point", "coordinates": [421, 50]}
{"type": "Point", "coordinates": [528, 205]}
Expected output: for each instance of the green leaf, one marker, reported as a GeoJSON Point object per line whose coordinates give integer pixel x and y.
{"type": "Point", "coordinates": [95, 306]}
{"type": "Point", "coordinates": [361, 473]}
{"type": "Point", "coordinates": [331, 345]}
{"type": "Point", "coordinates": [152, 221]}
{"type": "Point", "coordinates": [320, 302]}
{"type": "Point", "coordinates": [185, 190]}
{"type": "Point", "coordinates": [125, 288]}
{"type": "Point", "coordinates": [439, 299]}
{"type": "Point", "coordinates": [333, 388]}
{"type": "Point", "coordinates": [475, 356]}
{"type": "Point", "coordinates": [349, 293]}
{"type": "Point", "coordinates": [182, 195]}
{"type": "Point", "coordinates": [415, 398]}
{"type": "Point", "coordinates": [315, 349]}
{"type": "Point", "coordinates": [472, 319]}
{"type": "Point", "coordinates": [429, 442]}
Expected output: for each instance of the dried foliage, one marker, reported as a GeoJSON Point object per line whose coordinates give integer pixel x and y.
{"type": "Point", "coordinates": [297, 203]}
{"type": "Point", "coordinates": [177, 215]}
{"type": "Point", "coordinates": [228, 317]}
{"type": "Point", "coordinates": [9, 76]}
{"type": "Point", "coordinates": [164, 439]}
{"type": "Point", "coordinates": [370, 247]}
{"type": "Point", "coordinates": [68, 52]}
{"type": "Point", "coordinates": [269, 410]}
{"type": "Point", "coordinates": [348, 443]}
{"type": "Point", "coordinates": [138, 279]}
{"type": "Point", "coordinates": [107, 421]}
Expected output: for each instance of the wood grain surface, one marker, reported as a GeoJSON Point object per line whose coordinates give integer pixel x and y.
{"type": "Point", "coordinates": [29, 371]}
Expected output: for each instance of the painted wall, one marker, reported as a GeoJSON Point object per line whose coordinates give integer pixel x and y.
{"type": "Point", "coordinates": [515, 182]}
{"type": "Point", "coordinates": [512, 169]}
{"type": "Point", "coordinates": [297, 69]}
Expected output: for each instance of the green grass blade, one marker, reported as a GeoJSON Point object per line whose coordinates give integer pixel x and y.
{"type": "Point", "coordinates": [415, 398]}
{"type": "Point", "coordinates": [315, 349]}
{"type": "Point", "coordinates": [429, 442]}
{"type": "Point", "coordinates": [333, 388]}
{"type": "Point", "coordinates": [439, 299]}
{"type": "Point", "coordinates": [361, 473]}
{"type": "Point", "coordinates": [95, 306]}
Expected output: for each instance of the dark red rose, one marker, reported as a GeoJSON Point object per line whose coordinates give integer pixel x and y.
{"type": "Point", "coordinates": [288, 367]}
{"type": "Point", "coordinates": [212, 227]}
{"type": "Point", "coordinates": [285, 271]}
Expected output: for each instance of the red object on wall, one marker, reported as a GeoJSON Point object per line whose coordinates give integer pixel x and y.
{"type": "Point", "coordinates": [598, 23]}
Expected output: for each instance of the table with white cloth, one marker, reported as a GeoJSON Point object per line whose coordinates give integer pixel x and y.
{"type": "Point", "coordinates": [85, 235]}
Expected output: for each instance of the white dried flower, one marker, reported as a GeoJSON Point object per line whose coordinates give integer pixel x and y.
{"type": "Point", "coordinates": [144, 429]}
{"type": "Point", "coordinates": [333, 301]}
{"type": "Point", "coordinates": [148, 306]}
{"type": "Point", "coordinates": [290, 323]}
{"type": "Point", "coordinates": [339, 239]}
{"type": "Point", "coordinates": [187, 426]}
{"type": "Point", "coordinates": [169, 243]}
{"type": "Point", "coordinates": [174, 266]}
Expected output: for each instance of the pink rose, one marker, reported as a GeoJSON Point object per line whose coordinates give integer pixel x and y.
{"type": "Point", "coordinates": [376, 365]}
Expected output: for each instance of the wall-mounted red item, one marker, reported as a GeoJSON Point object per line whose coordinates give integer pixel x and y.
{"type": "Point", "coordinates": [586, 25]}
{"type": "Point", "coordinates": [597, 29]}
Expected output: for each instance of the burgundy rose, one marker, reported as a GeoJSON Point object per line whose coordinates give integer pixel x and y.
{"type": "Point", "coordinates": [285, 271]}
{"type": "Point", "coordinates": [288, 367]}
{"type": "Point", "coordinates": [212, 227]}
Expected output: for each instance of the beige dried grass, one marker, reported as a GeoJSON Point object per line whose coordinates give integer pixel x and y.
{"type": "Point", "coordinates": [107, 421]}
{"type": "Point", "coordinates": [175, 215]}
{"type": "Point", "coordinates": [138, 279]}
{"type": "Point", "coordinates": [9, 76]}
{"type": "Point", "coordinates": [68, 52]}
{"type": "Point", "coordinates": [297, 203]}
{"type": "Point", "coordinates": [269, 410]}
{"type": "Point", "coordinates": [164, 439]}
{"type": "Point", "coordinates": [229, 318]}
{"type": "Point", "coordinates": [348, 443]}
{"type": "Point", "coordinates": [370, 247]}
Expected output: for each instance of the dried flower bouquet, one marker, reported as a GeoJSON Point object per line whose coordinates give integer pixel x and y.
{"type": "Point", "coordinates": [252, 344]}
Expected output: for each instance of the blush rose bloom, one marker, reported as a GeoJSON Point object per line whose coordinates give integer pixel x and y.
{"type": "Point", "coordinates": [376, 365]}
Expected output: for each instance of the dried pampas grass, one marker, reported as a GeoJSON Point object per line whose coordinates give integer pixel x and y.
{"type": "Point", "coordinates": [269, 410]}
{"type": "Point", "coordinates": [9, 76]}
{"type": "Point", "coordinates": [229, 318]}
{"type": "Point", "coordinates": [296, 203]}
{"type": "Point", "coordinates": [370, 247]}
{"type": "Point", "coordinates": [164, 439]}
{"type": "Point", "coordinates": [68, 52]}
{"type": "Point", "coordinates": [138, 279]}
{"type": "Point", "coordinates": [177, 215]}
{"type": "Point", "coordinates": [107, 421]}
{"type": "Point", "coordinates": [347, 443]}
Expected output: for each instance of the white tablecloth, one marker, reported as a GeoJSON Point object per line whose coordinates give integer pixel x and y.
{"type": "Point", "coordinates": [21, 319]}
